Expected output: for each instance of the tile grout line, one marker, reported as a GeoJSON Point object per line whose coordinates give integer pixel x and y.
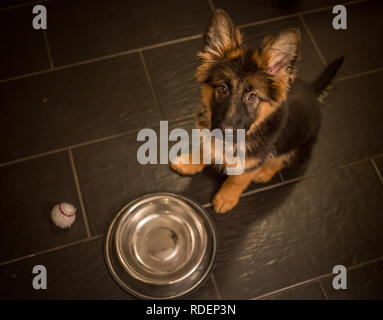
{"type": "Point", "coordinates": [27, 75]}
{"type": "Point", "coordinates": [322, 289]}
{"type": "Point", "coordinates": [273, 186]}
{"type": "Point", "coordinates": [377, 171]}
{"type": "Point", "coordinates": [165, 43]}
{"type": "Point", "coordinates": [356, 162]}
{"type": "Point", "coordinates": [302, 283]}
{"type": "Point", "coordinates": [45, 34]}
{"type": "Point", "coordinates": [35, 156]}
{"type": "Point", "coordinates": [175, 120]}
{"type": "Point", "coordinates": [89, 142]}
{"type": "Point", "coordinates": [277, 185]}
{"type": "Point", "coordinates": [267, 20]}
{"type": "Point", "coordinates": [209, 204]}
{"type": "Point", "coordinates": [270, 20]}
{"type": "Point", "coordinates": [24, 4]}
{"type": "Point", "coordinates": [309, 176]}
{"type": "Point", "coordinates": [316, 279]}
{"type": "Point", "coordinates": [368, 262]}
{"type": "Point", "coordinates": [102, 58]}
{"type": "Point", "coordinates": [150, 82]}
{"type": "Point", "coordinates": [295, 14]}
{"type": "Point", "coordinates": [363, 264]}
{"type": "Point", "coordinates": [217, 291]}
{"type": "Point", "coordinates": [79, 193]}
{"type": "Point", "coordinates": [313, 40]}
{"type": "Point", "coordinates": [77, 64]}
{"type": "Point", "coordinates": [211, 5]}
{"type": "Point", "coordinates": [297, 179]}
{"type": "Point", "coordinates": [39, 253]}
{"type": "Point", "coordinates": [74, 146]}
{"type": "Point", "coordinates": [360, 74]}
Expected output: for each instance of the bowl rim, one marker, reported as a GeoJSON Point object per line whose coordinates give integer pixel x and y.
{"type": "Point", "coordinates": [110, 233]}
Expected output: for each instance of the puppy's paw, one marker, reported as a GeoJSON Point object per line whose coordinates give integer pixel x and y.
{"type": "Point", "coordinates": [224, 201]}
{"type": "Point", "coordinates": [184, 168]}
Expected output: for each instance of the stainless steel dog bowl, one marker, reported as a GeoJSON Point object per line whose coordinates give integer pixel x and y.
{"type": "Point", "coordinates": [160, 246]}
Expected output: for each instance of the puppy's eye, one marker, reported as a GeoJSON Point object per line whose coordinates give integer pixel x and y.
{"type": "Point", "coordinates": [251, 97]}
{"type": "Point", "coordinates": [222, 89]}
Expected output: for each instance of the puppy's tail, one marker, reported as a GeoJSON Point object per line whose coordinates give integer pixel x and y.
{"type": "Point", "coordinates": [322, 85]}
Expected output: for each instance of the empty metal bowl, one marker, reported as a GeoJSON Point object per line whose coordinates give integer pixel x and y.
{"type": "Point", "coordinates": [160, 246]}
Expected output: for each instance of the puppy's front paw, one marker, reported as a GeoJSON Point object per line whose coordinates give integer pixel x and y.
{"type": "Point", "coordinates": [224, 201]}
{"type": "Point", "coordinates": [186, 168]}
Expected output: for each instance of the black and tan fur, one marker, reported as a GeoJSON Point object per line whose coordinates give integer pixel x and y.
{"type": "Point", "coordinates": [256, 90]}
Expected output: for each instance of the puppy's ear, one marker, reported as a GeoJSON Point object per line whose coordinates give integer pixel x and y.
{"type": "Point", "coordinates": [279, 55]}
{"type": "Point", "coordinates": [221, 38]}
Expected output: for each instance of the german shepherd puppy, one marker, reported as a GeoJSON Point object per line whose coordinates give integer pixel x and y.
{"type": "Point", "coordinates": [256, 90]}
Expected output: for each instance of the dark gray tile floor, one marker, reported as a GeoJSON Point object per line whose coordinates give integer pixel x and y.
{"type": "Point", "coordinates": [172, 70]}
{"type": "Point", "coordinates": [120, 25]}
{"type": "Point", "coordinates": [65, 282]}
{"type": "Point", "coordinates": [23, 48]}
{"type": "Point", "coordinates": [248, 11]}
{"type": "Point", "coordinates": [74, 105]}
{"type": "Point", "coordinates": [299, 231]}
{"type": "Point", "coordinates": [364, 31]}
{"type": "Point", "coordinates": [29, 190]}
{"type": "Point", "coordinates": [113, 75]}
{"type": "Point", "coordinates": [350, 125]}
{"type": "Point", "coordinates": [14, 3]}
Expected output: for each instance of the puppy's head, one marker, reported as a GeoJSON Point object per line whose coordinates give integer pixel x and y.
{"type": "Point", "coordinates": [240, 86]}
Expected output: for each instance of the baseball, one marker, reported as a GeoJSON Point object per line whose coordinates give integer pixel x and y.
{"type": "Point", "coordinates": [63, 215]}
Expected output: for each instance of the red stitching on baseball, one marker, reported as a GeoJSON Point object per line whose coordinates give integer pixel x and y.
{"type": "Point", "coordinates": [65, 214]}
